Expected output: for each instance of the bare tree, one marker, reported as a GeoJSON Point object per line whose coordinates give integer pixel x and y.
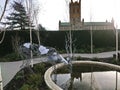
{"type": "Point", "coordinates": [70, 48]}
{"type": "Point", "coordinates": [1, 16]}
{"type": "Point", "coordinates": [31, 12]}
{"type": "Point", "coordinates": [4, 9]}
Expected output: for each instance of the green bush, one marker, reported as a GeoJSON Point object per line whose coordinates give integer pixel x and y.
{"type": "Point", "coordinates": [25, 87]}
{"type": "Point", "coordinates": [34, 81]}
{"type": "Point", "coordinates": [39, 68]}
{"type": "Point", "coordinates": [12, 57]}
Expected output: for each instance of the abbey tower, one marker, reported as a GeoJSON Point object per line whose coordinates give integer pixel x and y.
{"type": "Point", "coordinates": [77, 24]}
{"type": "Point", "coordinates": [75, 11]}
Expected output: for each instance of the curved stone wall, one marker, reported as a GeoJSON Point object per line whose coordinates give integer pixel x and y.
{"type": "Point", "coordinates": [53, 86]}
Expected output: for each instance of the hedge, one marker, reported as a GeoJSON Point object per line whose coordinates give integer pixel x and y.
{"type": "Point", "coordinates": [101, 39]}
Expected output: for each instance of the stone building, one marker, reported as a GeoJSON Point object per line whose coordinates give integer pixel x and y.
{"type": "Point", "coordinates": [77, 24]}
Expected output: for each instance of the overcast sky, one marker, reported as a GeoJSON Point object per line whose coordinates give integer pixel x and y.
{"type": "Point", "coordinates": [98, 10]}
{"type": "Point", "coordinates": [51, 11]}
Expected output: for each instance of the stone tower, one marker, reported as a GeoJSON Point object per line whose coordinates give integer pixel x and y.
{"type": "Point", "coordinates": [75, 11]}
{"type": "Point", "coordinates": [76, 23]}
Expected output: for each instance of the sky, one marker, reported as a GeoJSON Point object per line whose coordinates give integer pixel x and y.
{"type": "Point", "coordinates": [51, 11]}
{"type": "Point", "coordinates": [97, 10]}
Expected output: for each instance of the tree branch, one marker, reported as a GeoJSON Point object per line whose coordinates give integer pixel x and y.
{"type": "Point", "coordinates": [6, 2]}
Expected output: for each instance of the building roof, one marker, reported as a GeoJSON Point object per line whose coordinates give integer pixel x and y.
{"type": "Point", "coordinates": [64, 24]}
{"type": "Point", "coordinates": [97, 23]}
{"type": "Point", "coordinates": [88, 23]}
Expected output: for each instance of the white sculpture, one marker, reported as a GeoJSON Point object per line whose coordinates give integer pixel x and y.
{"type": "Point", "coordinates": [43, 50]}
{"type": "Point", "coordinates": [51, 53]}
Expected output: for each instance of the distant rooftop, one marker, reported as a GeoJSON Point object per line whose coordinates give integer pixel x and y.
{"type": "Point", "coordinates": [88, 23]}
{"type": "Point", "coordinates": [65, 24]}
{"type": "Point", "coordinates": [97, 23]}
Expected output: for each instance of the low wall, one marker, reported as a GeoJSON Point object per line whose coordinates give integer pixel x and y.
{"type": "Point", "coordinates": [53, 86]}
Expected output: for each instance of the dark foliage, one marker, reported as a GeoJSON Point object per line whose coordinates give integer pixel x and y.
{"type": "Point", "coordinates": [102, 40]}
